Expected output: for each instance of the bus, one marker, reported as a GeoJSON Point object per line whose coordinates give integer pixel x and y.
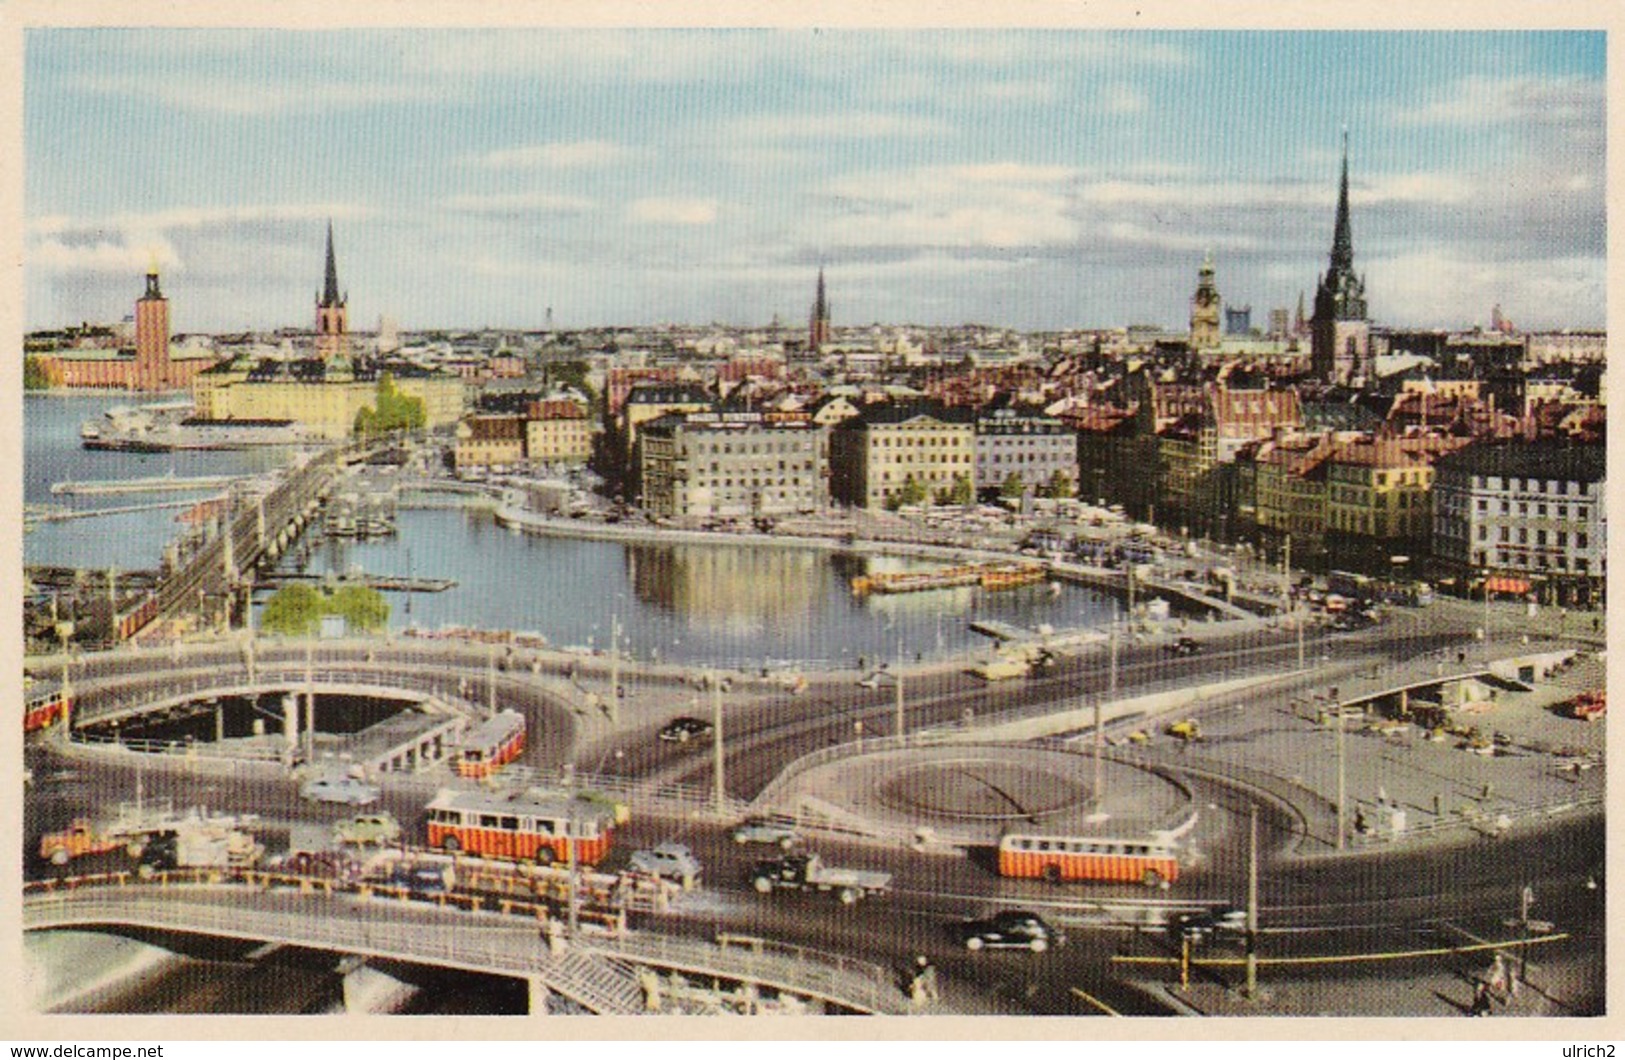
{"type": "Point", "coordinates": [492, 744]}
{"type": "Point", "coordinates": [45, 710]}
{"type": "Point", "coordinates": [533, 824]}
{"type": "Point", "coordinates": [1059, 858]}
{"type": "Point", "coordinates": [1397, 591]}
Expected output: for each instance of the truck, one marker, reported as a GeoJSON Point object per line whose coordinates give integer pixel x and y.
{"type": "Point", "coordinates": [198, 847]}
{"type": "Point", "coordinates": [1001, 667]}
{"type": "Point", "coordinates": [807, 872]}
{"type": "Point", "coordinates": [81, 837]}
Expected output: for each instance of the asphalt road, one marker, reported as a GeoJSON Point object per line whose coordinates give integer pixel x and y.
{"type": "Point", "coordinates": [1369, 901]}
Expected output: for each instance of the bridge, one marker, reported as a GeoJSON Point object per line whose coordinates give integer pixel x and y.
{"type": "Point", "coordinates": [251, 533]}
{"type": "Point", "coordinates": [601, 974]}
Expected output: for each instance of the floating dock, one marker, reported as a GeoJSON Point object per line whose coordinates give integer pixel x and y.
{"type": "Point", "coordinates": [990, 576]}
{"type": "Point", "coordinates": [155, 484]}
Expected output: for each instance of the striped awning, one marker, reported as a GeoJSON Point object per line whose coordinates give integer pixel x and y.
{"type": "Point", "coordinates": [1506, 585]}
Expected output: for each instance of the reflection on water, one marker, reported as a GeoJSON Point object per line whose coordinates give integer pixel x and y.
{"type": "Point", "coordinates": [737, 591]}
{"type": "Point", "coordinates": [723, 604]}
{"type": "Point", "coordinates": [727, 604]}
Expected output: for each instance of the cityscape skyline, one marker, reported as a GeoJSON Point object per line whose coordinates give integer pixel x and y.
{"type": "Point", "coordinates": [1037, 180]}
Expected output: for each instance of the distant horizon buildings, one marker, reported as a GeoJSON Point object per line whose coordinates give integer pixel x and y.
{"type": "Point", "coordinates": [149, 365]}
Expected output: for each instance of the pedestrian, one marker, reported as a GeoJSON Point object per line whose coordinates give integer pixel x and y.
{"type": "Point", "coordinates": [1496, 978]}
{"type": "Point", "coordinates": [1481, 1001]}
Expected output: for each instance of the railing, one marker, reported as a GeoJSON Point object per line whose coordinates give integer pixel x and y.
{"type": "Point", "coordinates": [814, 973]}
{"type": "Point", "coordinates": [474, 941]}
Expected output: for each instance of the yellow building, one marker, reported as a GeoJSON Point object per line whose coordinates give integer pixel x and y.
{"type": "Point", "coordinates": [557, 430]}
{"type": "Point", "coordinates": [323, 399]}
{"type": "Point", "coordinates": [874, 455]}
{"type": "Point", "coordinates": [489, 441]}
{"type": "Point", "coordinates": [1382, 488]}
{"type": "Point", "coordinates": [1290, 489]}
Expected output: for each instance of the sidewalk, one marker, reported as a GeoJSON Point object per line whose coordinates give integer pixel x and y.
{"type": "Point", "coordinates": [1556, 989]}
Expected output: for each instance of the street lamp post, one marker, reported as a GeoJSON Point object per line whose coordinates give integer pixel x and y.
{"type": "Point", "coordinates": [716, 743]}
{"type": "Point", "coordinates": [64, 633]}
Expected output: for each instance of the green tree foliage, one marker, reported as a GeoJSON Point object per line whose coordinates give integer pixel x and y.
{"type": "Point", "coordinates": [35, 376]}
{"type": "Point", "coordinates": [297, 610]}
{"type": "Point", "coordinates": [1013, 487]}
{"type": "Point", "coordinates": [1058, 486]}
{"type": "Point", "coordinates": [293, 610]}
{"type": "Point", "coordinates": [962, 491]}
{"type": "Point", "coordinates": [393, 411]}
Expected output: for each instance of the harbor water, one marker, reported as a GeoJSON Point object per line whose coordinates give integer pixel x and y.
{"type": "Point", "coordinates": [721, 604]}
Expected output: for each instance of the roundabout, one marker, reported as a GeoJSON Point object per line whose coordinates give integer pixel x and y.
{"type": "Point", "coordinates": [969, 794]}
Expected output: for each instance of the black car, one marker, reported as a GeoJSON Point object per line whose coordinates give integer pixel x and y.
{"type": "Point", "coordinates": [1203, 924]}
{"type": "Point", "coordinates": [160, 853]}
{"type": "Point", "coordinates": [1184, 646]}
{"type": "Point", "coordinates": [1014, 929]}
{"type": "Point", "coordinates": [682, 730]}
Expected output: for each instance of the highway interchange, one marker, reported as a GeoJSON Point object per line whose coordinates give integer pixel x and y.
{"type": "Point", "coordinates": [1330, 905]}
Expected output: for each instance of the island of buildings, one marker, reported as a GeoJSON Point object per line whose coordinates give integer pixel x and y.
{"type": "Point", "coordinates": [1473, 454]}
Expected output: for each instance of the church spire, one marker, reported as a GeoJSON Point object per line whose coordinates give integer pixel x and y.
{"type": "Point", "coordinates": [330, 286]}
{"type": "Point", "coordinates": [1342, 236]}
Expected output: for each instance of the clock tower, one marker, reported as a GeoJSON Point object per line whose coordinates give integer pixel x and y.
{"type": "Point", "coordinates": [1205, 309]}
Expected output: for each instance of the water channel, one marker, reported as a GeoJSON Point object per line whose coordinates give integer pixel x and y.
{"type": "Point", "coordinates": [725, 604]}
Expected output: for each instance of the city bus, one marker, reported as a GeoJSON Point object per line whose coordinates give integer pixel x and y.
{"type": "Point", "coordinates": [529, 825]}
{"type": "Point", "coordinates": [492, 744]}
{"type": "Point", "coordinates": [44, 711]}
{"type": "Point", "coordinates": [1397, 591]}
{"type": "Point", "coordinates": [1059, 858]}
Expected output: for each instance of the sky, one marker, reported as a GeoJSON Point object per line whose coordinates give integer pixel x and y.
{"type": "Point", "coordinates": [1032, 179]}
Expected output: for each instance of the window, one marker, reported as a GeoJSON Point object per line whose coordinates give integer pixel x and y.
{"type": "Point", "coordinates": [1582, 540]}
{"type": "Point", "coordinates": [488, 820]}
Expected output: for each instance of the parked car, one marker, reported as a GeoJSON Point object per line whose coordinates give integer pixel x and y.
{"type": "Point", "coordinates": [350, 791]}
{"type": "Point", "coordinates": [367, 828]}
{"type": "Point", "coordinates": [669, 861]}
{"type": "Point", "coordinates": [1015, 929]}
{"type": "Point", "coordinates": [322, 865]}
{"type": "Point", "coordinates": [1184, 646]}
{"type": "Point", "coordinates": [684, 729]}
{"type": "Point", "coordinates": [779, 833]}
{"type": "Point", "coordinates": [1204, 924]}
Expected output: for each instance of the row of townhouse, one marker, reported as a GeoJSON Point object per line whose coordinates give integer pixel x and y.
{"type": "Point", "coordinates": [879, 454]}
{"type": "Point", "coordinates": [1472, 501]}
{"type": "Point", "coordinates": [549, 430]}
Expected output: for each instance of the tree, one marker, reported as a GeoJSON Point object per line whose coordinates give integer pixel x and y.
{"type": "Point", "coordinates": [913, 492]}
{"type": "Point", "coordinates": [961, 492]}
{"type": "Point", "coordinates": [1058, 486]}
{"type": "Point", "coordinates": [392, 411]}
{"type": "Point", "coordinates": [297, 610]}
{"type": "Point", "coordinates": [294, 610]}
{"type": "Point", "coordinates": [362, 608]}
{"type": "Point", "coordinates": [35, 374]}
{"type": "Point", "coordinates": [1013, 487]}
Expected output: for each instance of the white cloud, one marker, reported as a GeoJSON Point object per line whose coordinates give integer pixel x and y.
{"type": "Point", "coordinates": [520, 202]}
{"type": "Point", "coordinates": [1436, 285]}
{"type": "Point", "coordinates": [125, 241]}
{"type": "Point", "coordinates": [994, 205]}
{"type": "Point", "coordinates": [1523, 101]}
{"type": "Point", "coordinates": [579, 154]}
{"type": "Point", "coordinates": [673, 211]}
{"type": "Point", "coordinates": [1124, 99]}
{"type": "Point", "coordinates": [861, 125]}
{"type": "Point", "coordinates": [196, 217]}
{"type": "Point", "coordinates": [244, 98]}
{"type": "Point", "coordinates": [1019, 91]}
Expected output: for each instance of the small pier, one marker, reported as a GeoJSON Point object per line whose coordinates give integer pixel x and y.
{"type": "Point", "coordinates": [155, 484]}
{"type": "Point", "coordinates": [387, 583]}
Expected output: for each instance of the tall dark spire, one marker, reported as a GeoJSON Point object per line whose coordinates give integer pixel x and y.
{"type": "Point", "coordinates": [820, 306]}
{"type": "Point", "coordinates": [330, 286]}
{"type": "Point", "coordinates": [1342, 236]}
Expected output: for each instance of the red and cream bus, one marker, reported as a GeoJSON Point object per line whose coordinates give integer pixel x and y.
{"type": "Point", "coordinates": [492, 744]}
{"type": "Point", "coordinates": [524, 825]}
{"type": "Point", "coordinates": [1057, 858]}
